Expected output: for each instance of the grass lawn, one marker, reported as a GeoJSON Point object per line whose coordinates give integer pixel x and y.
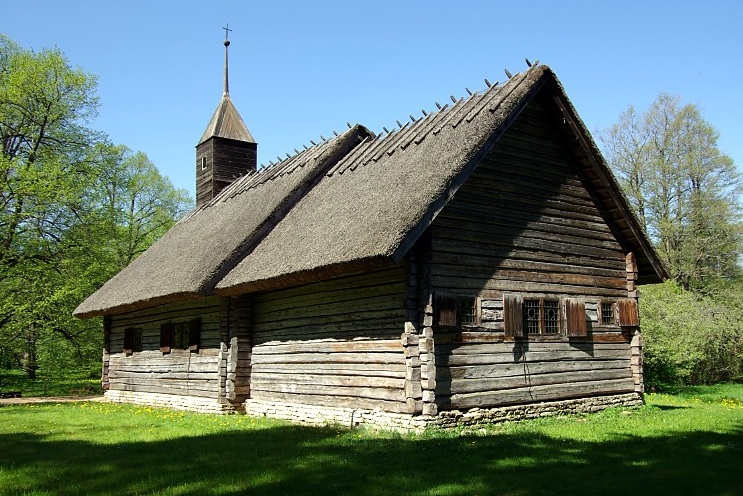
{"type": "Point", "coordinates": [690, 442]}
{"type": "Point", "coordinates": [72, 385]}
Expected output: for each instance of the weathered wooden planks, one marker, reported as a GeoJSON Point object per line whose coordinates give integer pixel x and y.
{"type": "Point", "coordinates": [527, 223]}
{"type": "Point", "coordinates": [533, 394]}
{"type": "Point", "coordinates": [337, 342]}
{"type": "Point", "coordinates": [180, 371]}
{"type": "Point", "coordinates": [527, 379]}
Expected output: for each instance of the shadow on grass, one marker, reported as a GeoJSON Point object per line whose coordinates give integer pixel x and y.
{"type": "Point", "coordinates": [299, 460]}
{"type": "Point", "coordinates": [670, 407]}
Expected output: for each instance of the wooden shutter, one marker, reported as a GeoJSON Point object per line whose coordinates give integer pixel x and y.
{"type": "Point", "coordinates": [513, 317]}
{"type": "Point", "coordinates": [107, 334]}
{"type": "Point", "coordinates": [128, 340]}
{"type": "Point", "coordinates": [194, 334]}
{"type": "Point", "coordinates": [574, 312]}
{"type": "Point", "coordinates": [137, 339]}
{"type": "Point", "coordinates": [445, 309]}
{"type": "Point", "coordinates": [166, 337]}
{"type": "Point", "coordinates": [628, 314]}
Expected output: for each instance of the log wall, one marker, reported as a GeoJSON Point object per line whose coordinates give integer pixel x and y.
{"type": "Point", "coordinates": [335, 343]}
{"type": "Point", "coordinates": [180, 372]}
{"type": "Point", "coordinates": [226, 160]}
{"type": "Point", "coordinates": [235, 367]}
{"type": "Point", "coordinates": [524, 223]}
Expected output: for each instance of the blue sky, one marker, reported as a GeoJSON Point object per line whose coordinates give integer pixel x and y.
{"type": "Point", "coordinates": [299, 69]}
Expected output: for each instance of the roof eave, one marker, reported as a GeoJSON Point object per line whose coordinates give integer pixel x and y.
{"type": "Point", "coordinates": [308, 276]}
{"type": "Point", "coordinates": [82, 313]}
{"type": "Point", "coordinates": [601, 168]}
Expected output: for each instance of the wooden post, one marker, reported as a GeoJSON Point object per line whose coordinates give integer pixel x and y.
{"type": "Point", "coordinates": [636, 343]}
{"type": "Point", "coordinates": [224, 328]}
{"type": "Point", "coordinates": [426, 341]}
{"type": "Point", "coordinates": [105, 384]}
{"type": "Point", "coordinates": [631, 264]}
{"type": "Point", "coordinates": [240, 348]}
{"type": "Point", "coordinates": [637, 362]}
{"type": "Point", "coordinates": [411, 339]}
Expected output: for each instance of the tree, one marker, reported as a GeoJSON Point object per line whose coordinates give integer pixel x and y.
{"type": "Point", "coordinates": [45, 105]}
{"type": "Point", "coordinates": [127, 206]}
{"type": "Point", "coordinates": [684, 190]}
{"type": "Point", "coordinates": [74, 209]}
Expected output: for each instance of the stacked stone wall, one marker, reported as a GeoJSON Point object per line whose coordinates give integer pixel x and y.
{"type": "Point", "coordinates": [349, 417]}
{"type": "Point", "coordinates": [173, 401]}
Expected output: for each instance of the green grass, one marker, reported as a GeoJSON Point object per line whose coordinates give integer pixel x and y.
{"type": "Point", "coordinates": [690, 442]}
{"type": "Point", "coordinates": [74, 384]}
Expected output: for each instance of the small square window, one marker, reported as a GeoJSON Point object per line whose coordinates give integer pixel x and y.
{"type": "Point", "coordinates": [468, 310]}
{"type": "Point", "coordinates": [203, 163]}
{"type": "Point", "coordinates": [607, 313]}
{"type": "Point", "coordinates": [454, 310]}
{"type": "Point", "coordinates": [180, 335]}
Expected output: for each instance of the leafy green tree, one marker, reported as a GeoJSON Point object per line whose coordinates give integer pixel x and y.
{"type": "Point", "coordinates": [74, 209]}
{"type": "Point", "coordinates": [686, 194]}
{"type": "Point", "coordinates": [45, 104]}
{"type": "Point", "coordinates": [684, 190]}
{"type": "Point", "coordinates": [127, 206]}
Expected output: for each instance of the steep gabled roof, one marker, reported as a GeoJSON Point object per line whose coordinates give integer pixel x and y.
{"type": "Point", "coordinates": [226, 123]}
{"type": "Point", "coordinates": [355, 202]}
{"type": "Point", "coordinates": [201, 247]}
{"type": "Point", "coordinates": [372, 206]}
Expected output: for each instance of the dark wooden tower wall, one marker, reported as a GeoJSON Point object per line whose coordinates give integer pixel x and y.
{"type": "Point", "coordinates": [226, 150]}
{"type": "Point", "coordinates": [219, 161]}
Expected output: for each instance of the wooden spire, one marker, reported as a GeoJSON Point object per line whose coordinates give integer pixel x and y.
{"type": "Point", "coordinates": [226, 59]}
{"type": "Point", "coordinates": [226, 150]}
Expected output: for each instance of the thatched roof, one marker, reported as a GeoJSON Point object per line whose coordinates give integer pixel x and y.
{"type": "Point", "coordinates": [376, 202]}
{"type": "Point", "coordinates": [199, 249]}
{"type": "Point", "coordinates": [362, 207]}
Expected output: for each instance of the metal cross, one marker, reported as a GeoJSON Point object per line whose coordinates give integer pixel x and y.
{"type": "Point", "coordinates": [226, 30]}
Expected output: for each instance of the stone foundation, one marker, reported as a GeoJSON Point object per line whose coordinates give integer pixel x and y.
{"type": "Point", "coordinates": [324, 415]}
{"type": "Point", "coordinates": [477, 416]}
{"type": "Point", "coordinates": [349, 417]}
{"type": "Point", "coordinates": [174, 401]}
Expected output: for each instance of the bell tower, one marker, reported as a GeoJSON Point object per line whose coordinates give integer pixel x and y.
{"type": "Point", "coordinates": [226, 150]}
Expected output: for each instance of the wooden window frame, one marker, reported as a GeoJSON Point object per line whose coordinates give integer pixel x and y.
{"type": "Point", "coordinates": [457, 311]}
{"type": "Point", "coordinates": [572, 320]}
{"type": "Point", "coordinates": [603, 304]}
{"type": "Point", "coordinates": [469, 310]}
{"type": "Point", "coordinates": [182, 335]}
{"type": "Point", "coordinates": [542, 322]}
{"type": "Point", "coordinates": [132, 340]}
{"type": "Point", "coordinates": [203, 163]}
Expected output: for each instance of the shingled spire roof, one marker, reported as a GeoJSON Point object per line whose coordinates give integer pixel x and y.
{"type": "Point", "coordinates": [226, 121]}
